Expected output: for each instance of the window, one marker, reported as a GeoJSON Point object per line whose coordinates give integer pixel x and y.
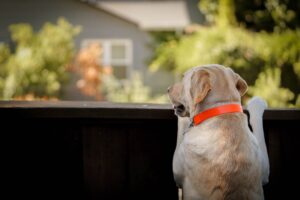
{"type": "Point", "coordinates": [117, 53]}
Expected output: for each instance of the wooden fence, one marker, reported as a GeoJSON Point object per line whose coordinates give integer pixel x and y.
{"type": "Point", "coordinates": [91, 150]}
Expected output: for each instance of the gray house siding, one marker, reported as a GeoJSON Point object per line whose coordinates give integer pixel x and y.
{"type": "Point", "coordinates": [95, 23]}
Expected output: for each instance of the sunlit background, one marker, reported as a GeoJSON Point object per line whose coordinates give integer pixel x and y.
{"type": "Point", "coordinates": [131, 51]}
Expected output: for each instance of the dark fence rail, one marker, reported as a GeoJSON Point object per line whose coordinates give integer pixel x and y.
{"type": "Point", "coordinates": [91, 150]}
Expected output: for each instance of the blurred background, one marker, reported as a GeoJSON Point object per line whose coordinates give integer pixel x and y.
{"type": "Point", "coordinates": [131, 51]}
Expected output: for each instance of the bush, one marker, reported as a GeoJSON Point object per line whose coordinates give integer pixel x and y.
{"type": "Point", "coordinates": [275, 95]}
{"type": "Point", "coordinates": [133, 90]}
{"type": "Point", "coordinates": [248, 53]}
{"type": "Point", "coordinates": [38, 64]}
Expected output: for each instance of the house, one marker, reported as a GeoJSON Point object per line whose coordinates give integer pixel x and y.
{"type": "Point", "coordinates": [121, 27]}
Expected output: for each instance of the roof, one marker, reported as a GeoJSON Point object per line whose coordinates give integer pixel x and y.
{"type": "Point", "coordinates": [150, 15]}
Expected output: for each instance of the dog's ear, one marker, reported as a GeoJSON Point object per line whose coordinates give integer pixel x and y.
{"type": "Point", "coordinates": [200, 86]}
{"type": "Point", "coordinates": [241, 85]}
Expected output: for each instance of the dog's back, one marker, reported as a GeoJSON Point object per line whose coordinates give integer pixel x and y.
{"type": "Point", "coordinates": [221, 160]}
{"type": "Point", "coordinates": [218, 158]}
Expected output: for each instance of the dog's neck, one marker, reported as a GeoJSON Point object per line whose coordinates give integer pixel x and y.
{"type": "Point", "coordinates": [201, 108]}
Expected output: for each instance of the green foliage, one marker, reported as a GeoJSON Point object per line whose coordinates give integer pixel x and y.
{"type": "Point", "coordinates": [133, 90]}
{"type": "Point", "coordinates": [161, 38]}
{"type": "Point", "coordinates": [298, 101]}
{"type": "Point", "coordinates": [268, 87]}
{"type": "Point", "coordinates": [38, 65]}
{"type": "Point", "coordinates": [210, 9]}
{"type": "Point", "coordinates": [165, 55]}
{"type": "Point", "coordinates": [266, 15]}
{"type": "Point", "coordinates": [280, 13]}
{"type": "Point", "coordinates": [226, 13]}
{"type": "Point", "coordinates": [248, 53]}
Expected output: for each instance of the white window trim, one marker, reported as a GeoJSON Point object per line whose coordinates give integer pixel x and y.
{"type": "Point", "coordinates": [106, 45]}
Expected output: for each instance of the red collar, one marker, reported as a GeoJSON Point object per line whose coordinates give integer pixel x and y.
{"type": "Point", "coordinates": [216, 111]}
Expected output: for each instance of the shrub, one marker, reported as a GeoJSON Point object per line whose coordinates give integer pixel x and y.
{"type": "Point", "coordinates": [38, 64]}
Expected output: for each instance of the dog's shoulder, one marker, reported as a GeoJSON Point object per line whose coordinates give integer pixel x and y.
{"type": "Point", "coordinates": [222, 153]}
{"type": "Point", "coordinates": [218, 133]}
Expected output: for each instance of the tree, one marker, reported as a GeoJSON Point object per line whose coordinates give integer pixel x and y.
{"type": "Point", "coordinates": [249, 53]}
{"type": "Point", "coordinates": [226, 10]}
{"type": "Point", "coordinates": [38, 64]}
{"type": "Point", "coordinates": [264, 15]}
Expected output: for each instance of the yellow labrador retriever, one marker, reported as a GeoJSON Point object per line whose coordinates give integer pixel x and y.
{"type": "Point", "coordinates": [218, 157]}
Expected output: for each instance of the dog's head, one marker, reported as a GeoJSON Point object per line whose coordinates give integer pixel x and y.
{"type": "Point", "coordinates": [206, 85]}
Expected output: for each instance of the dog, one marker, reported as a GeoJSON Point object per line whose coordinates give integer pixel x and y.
{"type": "Point", "coordinates": [218, 158]}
